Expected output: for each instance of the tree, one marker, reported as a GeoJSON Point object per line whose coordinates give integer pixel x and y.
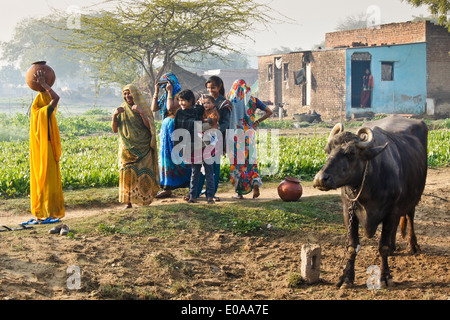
{"type": "Point", "coordinates": [354, 21]}
{"type": "Point", "coordinates": [438, 8]}
{"type": "Point", "coordinates": [283, 50]}
{"type": "Point", "coordinates": [148, 35]}
{"type": "Point", "coordinates": [33, 41]}
{"type": "Point", "coordinates": [233, 60]}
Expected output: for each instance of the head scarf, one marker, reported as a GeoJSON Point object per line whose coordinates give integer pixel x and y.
{"type": "Point", "coordinates": [162, 102]}
{"type": "Point", "coordinates": [134, 140]}
{"type": "Point", "coordinates": [242, 101]}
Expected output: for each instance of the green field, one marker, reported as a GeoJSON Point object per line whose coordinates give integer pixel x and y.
{"type": "Point", "coordinates": [89, 152]}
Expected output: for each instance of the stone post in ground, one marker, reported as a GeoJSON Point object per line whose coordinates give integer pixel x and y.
{"type": "Point", "coordinates": [310, 263]}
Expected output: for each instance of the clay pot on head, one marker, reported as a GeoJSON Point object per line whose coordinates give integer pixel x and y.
{"type": "Point", "coordinates": [49, 75]}
{"type": "Point", "coordinates": [290, 189]}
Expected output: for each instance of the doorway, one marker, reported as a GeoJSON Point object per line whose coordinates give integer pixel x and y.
{"type": "Point", "coordinates": [278, 79]}
{"type": "Point", "coordinates": [360, 62]}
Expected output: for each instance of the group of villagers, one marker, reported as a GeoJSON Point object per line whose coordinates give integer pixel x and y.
{"type": "Point", "coordinates": [145, 172]}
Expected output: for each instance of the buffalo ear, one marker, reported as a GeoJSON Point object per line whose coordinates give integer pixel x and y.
{"type": "Point", "coordinates": [371, 153]}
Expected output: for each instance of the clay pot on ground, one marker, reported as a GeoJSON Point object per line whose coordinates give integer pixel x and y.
{"type": "Point", "coordinates": [290, 189]}
{"type": "Point", "coordinates": [49, 75]}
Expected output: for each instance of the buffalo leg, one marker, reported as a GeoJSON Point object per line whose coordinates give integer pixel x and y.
{"type": "Point", "coordinates": [348, 275]}
{"type": "Point", "coordinates": [384, 248]}
{"type": "Point", "coordinates": [385, 272]}
{"type": "Point", "coordinates": [412, 239]}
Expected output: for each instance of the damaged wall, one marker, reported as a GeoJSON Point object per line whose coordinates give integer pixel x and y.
{"type": "Point", "coordinates": [323, 90]}
{"type": "Point", "coordinates": [438, 69]}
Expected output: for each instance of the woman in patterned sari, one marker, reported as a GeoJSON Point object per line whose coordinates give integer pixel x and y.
{"type": "Point", "coordinates": [172, 176]}
{"type": "Point", "coordinates": [243, 160]}
{"type": "Point", "coordinates": [138, 155]}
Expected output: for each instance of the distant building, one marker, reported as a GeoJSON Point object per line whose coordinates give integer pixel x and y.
{"type": "Point", "coordinates": [409, 62]}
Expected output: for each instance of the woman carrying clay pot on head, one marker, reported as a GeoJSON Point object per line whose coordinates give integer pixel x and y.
{"type": "Point", "coordinates": [47, 200]}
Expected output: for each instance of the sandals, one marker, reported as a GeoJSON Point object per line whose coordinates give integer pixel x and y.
{"type": "Point", "coordinates": [164, 194]}
{"type": "Point", "coordinates": [192, 200]}
{"type": "Point", "coordinates": [128, 206]}
{"type": "Point", "coordinates": [21, 227]}
{"type": "Point", "coordinates": [211, 201]}
{"type": "Point", "coordinates": [46, 221]}
{"type": "Point", "coordinates": [255, 191]}
{"type": "Point", "coordinates": [62, 229]}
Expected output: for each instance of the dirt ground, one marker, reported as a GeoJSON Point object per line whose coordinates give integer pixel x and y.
{"type": "Point", "coordinates": [34, 264]}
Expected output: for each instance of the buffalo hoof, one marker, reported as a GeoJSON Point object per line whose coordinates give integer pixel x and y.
{"type": "Point", "coordinates": [386, 283]}
{"type": "Point", "coordinates": [344, 283]}
{"type": "Point", "coordinates": [413, 249]}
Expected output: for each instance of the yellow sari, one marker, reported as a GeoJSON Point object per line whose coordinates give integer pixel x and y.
{"type": "Point", "coordinates": [45, 151]}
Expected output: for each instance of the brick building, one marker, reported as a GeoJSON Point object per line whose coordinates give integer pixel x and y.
{"type": "Point", "coordinates": [409, 62]}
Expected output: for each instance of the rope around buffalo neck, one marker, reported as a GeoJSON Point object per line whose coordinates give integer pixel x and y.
{"type": "Point", "coordinates": [362, 184]}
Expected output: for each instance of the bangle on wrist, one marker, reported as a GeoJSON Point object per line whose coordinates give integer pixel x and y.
{"type": "Point", "coordinates": [169, 97]}
{"type": "Point", "coordinates": [155, 96]}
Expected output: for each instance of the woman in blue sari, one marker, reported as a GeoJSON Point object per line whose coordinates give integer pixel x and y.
{"type": "Point", "coordinates": [172, 176]}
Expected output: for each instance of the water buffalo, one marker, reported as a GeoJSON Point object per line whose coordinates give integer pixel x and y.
{"type": "Point", "coordinates": [382, 172]}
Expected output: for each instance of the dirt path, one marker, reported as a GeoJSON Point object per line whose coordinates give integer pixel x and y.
{"type": "Point", "coordinates": [267, 194]}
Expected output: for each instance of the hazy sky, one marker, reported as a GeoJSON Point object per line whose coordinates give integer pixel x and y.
{"type": "Point", "coordinates": [312, 18]}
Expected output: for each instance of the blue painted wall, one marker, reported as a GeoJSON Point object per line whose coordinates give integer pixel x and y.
{"type": "Point", "coordinates": [407, 93]}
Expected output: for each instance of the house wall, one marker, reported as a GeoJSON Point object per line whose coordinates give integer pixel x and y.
{"type": "Point", "coordinates": [328, 84]}
{"type": "Point", "coordinates": [266, 86]}
{"type": "Point", "coordinates": [327, 94]}
{"type": "Point", "coordinates": [291, 93]}
{"type": "Point", "coordinates": [407, 93]}
{"type": "Point", "coordinates": [438, 68]}
{"type": "Point", "coordinates": [387, 34]}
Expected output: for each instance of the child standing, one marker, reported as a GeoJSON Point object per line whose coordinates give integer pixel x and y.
{"type": "Point", "coordinates": [210, 120]}
{"type": "Point", "coordinates": [185, 119]}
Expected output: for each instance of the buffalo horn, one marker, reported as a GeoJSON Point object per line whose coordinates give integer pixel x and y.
{"type": "Point", "coordinates": [366, 136]}
{"type": "Point", "coordinates": [337, 129]}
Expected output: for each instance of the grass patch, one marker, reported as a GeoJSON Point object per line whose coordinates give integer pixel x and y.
{"type": "Point", "coordinates": [244, 218]}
